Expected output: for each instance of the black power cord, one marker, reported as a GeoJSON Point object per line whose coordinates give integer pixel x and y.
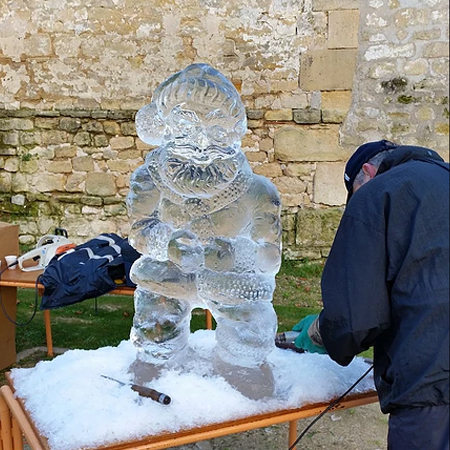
{"type": "Point", "coordinates": [3, 307]}
{"type": "Point", "coordinates": [329, 408]}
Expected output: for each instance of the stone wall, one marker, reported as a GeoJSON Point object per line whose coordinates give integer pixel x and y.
{"type": "Point", "coordinates": [74, 74]}
{"type": "Point", "coordinates": [402, 83]}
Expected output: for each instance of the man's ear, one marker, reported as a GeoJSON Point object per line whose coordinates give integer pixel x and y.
{"type": "Point", "coordinates": [370, 170]}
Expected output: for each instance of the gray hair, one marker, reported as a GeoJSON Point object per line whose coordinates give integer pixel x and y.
{"type": "Point", "coordinates": [375, 161]}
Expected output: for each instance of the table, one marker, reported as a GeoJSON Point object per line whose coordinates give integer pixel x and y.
{"type": "Point", "coordinates": [16, 278]}
{"type": "Point", "coordinates": [15, 423]}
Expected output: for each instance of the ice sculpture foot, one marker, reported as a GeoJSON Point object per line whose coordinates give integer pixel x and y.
{"type": "Point", "coordinates": [144, 372]}
{"type": "Point", "coordinates": [254, 383]}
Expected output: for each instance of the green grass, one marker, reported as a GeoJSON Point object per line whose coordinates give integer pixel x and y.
{"type": "Point", "coordinates": [91, 325]}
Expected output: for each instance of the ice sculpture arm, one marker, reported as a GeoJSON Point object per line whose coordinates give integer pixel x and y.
{"type": "Point", "coordinates": [266, 226]}
{"type": "Point", "coordinates": [148, 235]}
{"type": "Point", "coordinates": [243, 268]}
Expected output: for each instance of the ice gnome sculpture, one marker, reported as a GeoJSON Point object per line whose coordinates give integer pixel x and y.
{"type": "Point", "coordinates": [208, 230]}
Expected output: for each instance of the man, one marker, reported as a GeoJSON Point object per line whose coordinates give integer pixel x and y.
{"type": "Point", "coordinates": [386, 285]}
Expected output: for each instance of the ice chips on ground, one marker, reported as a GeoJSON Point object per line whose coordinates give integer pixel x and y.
{"type": "Point", "coordinates": [74, 407]}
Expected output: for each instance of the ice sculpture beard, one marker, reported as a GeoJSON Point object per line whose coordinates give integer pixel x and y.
{"type": "Point", "coordinates": [195, 173]}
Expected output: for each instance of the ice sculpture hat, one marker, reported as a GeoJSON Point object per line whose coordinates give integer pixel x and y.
{"type": "Point", "coordinates": [198, 84]}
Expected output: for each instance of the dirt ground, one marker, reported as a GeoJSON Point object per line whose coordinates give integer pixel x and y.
{"type": "Point", "coordinates": [362, 428]}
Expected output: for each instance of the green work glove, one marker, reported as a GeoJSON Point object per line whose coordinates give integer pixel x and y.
{"type": "Point", "coordinates": [309, 338]}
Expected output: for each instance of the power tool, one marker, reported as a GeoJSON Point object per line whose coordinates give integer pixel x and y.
{"type": "Point", "coordinates": [47, 247]}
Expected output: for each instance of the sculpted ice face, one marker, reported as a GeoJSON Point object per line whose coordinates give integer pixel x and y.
{"type": "Point", "coordinates": [208, 229]}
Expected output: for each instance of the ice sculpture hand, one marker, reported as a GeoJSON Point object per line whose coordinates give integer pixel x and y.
{"type": "Point", "coordinates": [186, 251]}
{"type": "Point", "coordinates": [164, 278]}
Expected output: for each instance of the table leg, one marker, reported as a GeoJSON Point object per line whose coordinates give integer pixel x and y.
{"type": "Point", "coordinates": [5, 426]}
{"type": "Point", "coordinates": [48, 332]}
{"type": "Point", "coordinates": [21, 418]}
{"type": "Point", "coordinates": [209, 320]}
{"type": "Point", "coordinates": [293, 433]}
{"type": "Point", "coordinates": [17, 435]}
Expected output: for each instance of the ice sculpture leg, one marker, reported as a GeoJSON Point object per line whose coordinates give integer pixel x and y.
{"type": "Point", "coordinates": [245, 337]}
{"type": "Point", "coordinates": [161, 329]}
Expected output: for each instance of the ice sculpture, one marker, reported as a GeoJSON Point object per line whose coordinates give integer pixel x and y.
{"type": "Point", "coordinates": [208, 230]}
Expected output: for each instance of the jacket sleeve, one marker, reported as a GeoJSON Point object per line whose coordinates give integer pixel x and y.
{"type": "Point", "coordinates": [354, 289]}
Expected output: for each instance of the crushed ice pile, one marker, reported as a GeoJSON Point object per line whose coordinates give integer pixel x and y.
{"type": "Point", "coordinates": [74, 407]}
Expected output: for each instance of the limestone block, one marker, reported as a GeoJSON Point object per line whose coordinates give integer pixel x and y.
{"type": "Point", "coordinates": [304, 144]}
{"type": "Point", "coordinates": [256, 156]}
{"type": "Point", "coordinates": [425, 113]}
{"type": "Point", "coordinates": [130, 154]}
{"type": "Point", "coordinates": [83, 164]}
{"type": "Point", "coordinates": [69, 124]}
{"type": "Point", "coordinates": [83, 139]}
{"type": "Point", "coordinates": [15, 124]}
{"type": "Point", "coordinates": [91, 201]}
{"type": "Point", "coordinates": [8, 151]}
{"type": "Point", "coordinates": [317, 227]}
{"type": "Point", "coordinates": [94, 127]}
{"type": "Point", "coordinates": [270, 170]}
{"type": "Point", "coordinates": [59, 167]}
{"type": "Point", "coordinates": [38, 45]}
{"type": "Point", "coordinates": [329, 188]}
{"type": "Point", "coordinates": [332, 5]}
{"type": "Point", "coordinates": [307, 116]}
{"type": "Point", "coordinates": [440, 66]}
{"type": "Point", "coordinates": [5, 182]}
{"type": "Point", "coordinates": [12, 164]}
{"type": "Point", "coordinates": [328, 70]}
{"type": "Point", "coordinates": [428, 35]}
{"type": "Point", "coordinates": [122, 142]}
{"type": "Point", "coordinates": [67, 46]}
{"type": "Point", "coordinates": [119, 210]}
{"type": "Point", "coordinates": [10, 138]}
{"type": "Point", "coordinates": [335, 106]}
{"type": "Point", "coordinates": [128, 129]}
{"type": "Point", "coordinates": [255, 114]}
{"type": "Point", "coordinates": [101, 140]}
{"type": "Point", "coordinates": [54, 137]}
{"type": "Point", "coordinates": [75, 183]}
{"type": "Point", "coordinates": [418, 67]}
{"type": "Point", "coordinates": [266, 144]}
{"type": "Point", "coordinates": [119, 165]}
{"type": "Point", "coordinates": [343, 29]}
{"type": "Point", "coordinates": [30, 166]}
{"type": "Point", "coordinates": [46, 123]}
{"type": "Point", "coordinates": [298, 170]}
{"type": "Point", "coordinates": [112, 128]}
{"type": "Point", "coordinates": [281, 115]}
{"type": "Point", "coordinates": [389, 51]}
{"type": "Point", "coordinates": [100, 184]}
{"type": "Point", "coordinates": [437, 50]}
{"type": "Point", "coordinates": [292, 190]}
{"type": "Point", "coordinates": [30, 138]}
{"type": "Point", "coordinates": [65, 151]}
{"type": "Point", "coordinates": [50, 182]}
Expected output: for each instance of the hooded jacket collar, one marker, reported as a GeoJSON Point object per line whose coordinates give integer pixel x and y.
{"type": "Point", "coordinates": [406, 153]}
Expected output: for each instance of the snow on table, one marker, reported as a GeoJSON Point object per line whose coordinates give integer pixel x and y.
{"type": "Point", "coordinates": [73, 406]}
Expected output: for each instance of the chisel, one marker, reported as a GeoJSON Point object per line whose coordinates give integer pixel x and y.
{"type": "Point", "coordinates": [145, 392]}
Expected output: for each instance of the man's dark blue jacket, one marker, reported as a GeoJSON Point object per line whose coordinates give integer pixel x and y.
{"type": "Point", "coordinates": [386, 281]}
